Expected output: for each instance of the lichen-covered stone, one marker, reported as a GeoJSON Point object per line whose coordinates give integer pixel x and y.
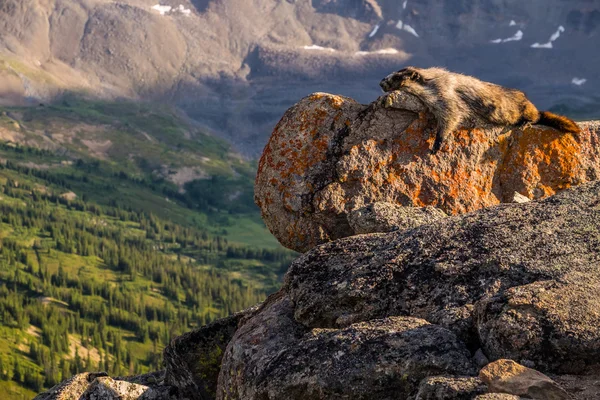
{"type": "Point", "coordinates": [106, 388]}
{"type": "Point", "coordinates": [329, 156]}
{"type": "Point", "coordinates": [274, 357]}
{"type": "Point", "coordinates": [552, 325]}
{"type": "Point", "coordinates": [99, 386]}
{"type": "Point", "coordinates": [71, 388]}
{"type": "Point", "coordinates": [193, 360]}
{"type": "Point", "coordinates": [450, 388]}
{"type": "Point", "coordinates": [507, 376]}
{"type": "Point", "coordinates": [386, 217]}
{"type": "Point", "coordinates": [535, 264]}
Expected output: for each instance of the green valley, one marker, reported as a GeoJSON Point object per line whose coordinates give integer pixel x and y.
{"type": "Point", "coordinates": [122, 226]}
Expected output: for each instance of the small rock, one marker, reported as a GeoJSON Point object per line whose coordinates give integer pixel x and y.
{"type": "Point", "coordinates": [450, 388]}
{"type": "Point", "coordinates": [106, 388]}
{"type": "Point", "coordinates": [71, 388]}
{"type": "Point", "coordinates": [387, 217]}
{"type": "Point", "coordinates": [506, 376]}
{"type": "Point", "coordinates": [480, 359]}
{"type": "Point", "coordinates": [519, 198]}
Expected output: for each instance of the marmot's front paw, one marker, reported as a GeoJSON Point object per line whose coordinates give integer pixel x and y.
{"type": "Point", "coordinates": [386, 101]}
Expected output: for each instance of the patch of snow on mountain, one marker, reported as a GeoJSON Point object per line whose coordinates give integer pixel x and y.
{"type": "Point", "coordinates": [382, 51]}
{"type": "Point", "coordinates": [404, 4]}
{"type": "Point", "coordinates": [410, 30]}
{"type": "Point", "coordinates": [554, 36]}
{"type": "Point", "coordinates": [516, 37]}
{"type": "Point", "coordinates": [183, 10]}
{"type": "Point", "coordinates": [512, 22]}
{"type": "Point", "coordinates": [320, 48]}
{"type": "Point", "coordinates": [162, 9]}
{"type": "Point", "coordinates": [374, 32]}
{"type": "Point", "coordinates": [542, 45]}
{"type": "Point", "coordinates": [578, 81]}
{"type": "Point", "coordinates": [402, 26]}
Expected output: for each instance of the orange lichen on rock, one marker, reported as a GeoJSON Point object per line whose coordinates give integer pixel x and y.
{"type": "Point", "coordinates": [330, 155]}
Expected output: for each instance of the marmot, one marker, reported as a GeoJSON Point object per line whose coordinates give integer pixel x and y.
{"type": "Point", "coordinates": [452, 98]}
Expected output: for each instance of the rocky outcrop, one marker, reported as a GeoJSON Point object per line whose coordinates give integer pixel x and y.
{"type": "Point", "coordinates": [330, 156]}
{"type": "Point", "coordinates": [516, 291]}
{"type": "Point", "coordinates": [351, 316]}
{"type": "Point", "coordinates": [419, 309]}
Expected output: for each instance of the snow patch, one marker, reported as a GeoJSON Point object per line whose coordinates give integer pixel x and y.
{"type": "Point", "coordinates": [516, 37]}
{"type": "Point", "coordinates": [405, 27]}
{"type": "Point", "coordinates": [554, 36]}
{"type": "Point", "coordinates": [374, 32]}
{"type": "Point", "coordinates": [404, 4]}
{"type": "Point", "coordinates": [382, 51]}
{"type": "Point", "coordinates": [410, 30]}
{"type": "Point", "coordinates": [512, 22]}
{"type": "Point", "coordinates": [164, 10]}
{"type": "Point", "coordinates": [578, 81]}
{"type": "Point", "coordinates": [315, 47]}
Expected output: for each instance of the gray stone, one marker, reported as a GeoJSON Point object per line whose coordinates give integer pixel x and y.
{"type": "Point", "coordinates": [519, 198]}
{"type": "Point", "coordinates": [507, 376]}
{"type": "Point", "coordinates": [274, 357]}
{"type": "Point", "coordinates": [193, 360]}
{"type": "Point", "coordinates": [450, 388]}
{"type": "Point", "coordinates": [387, 217]}
{"type": "Point", "coordinates": [540, 259]}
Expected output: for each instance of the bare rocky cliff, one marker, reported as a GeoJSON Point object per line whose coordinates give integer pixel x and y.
{"type": "Point", "coordinates": [236, 65]}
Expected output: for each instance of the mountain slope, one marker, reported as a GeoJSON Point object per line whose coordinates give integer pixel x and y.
{"type": "Point", "coordinates": [235, 65]}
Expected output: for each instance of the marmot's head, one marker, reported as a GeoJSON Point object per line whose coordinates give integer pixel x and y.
{"type": "Point", "coordinates": [398, 79]}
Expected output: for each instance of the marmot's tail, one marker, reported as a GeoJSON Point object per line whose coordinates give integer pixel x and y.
{"type": "Point", "coordinates": [558, 122]}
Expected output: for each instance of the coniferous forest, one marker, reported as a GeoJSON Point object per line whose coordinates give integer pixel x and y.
{"type": "Point", "coordinates": [100, 269]}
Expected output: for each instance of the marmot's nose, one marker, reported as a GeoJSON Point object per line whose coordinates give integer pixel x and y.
{"type": "Point", "coordinates": [384, 85]}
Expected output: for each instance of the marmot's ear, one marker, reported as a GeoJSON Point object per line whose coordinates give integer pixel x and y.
{"type": "Point", "coordinates": [415, 76]}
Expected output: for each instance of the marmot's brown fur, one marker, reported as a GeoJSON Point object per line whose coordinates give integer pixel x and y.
{"type": "Point", "coordinates": [452, 98]}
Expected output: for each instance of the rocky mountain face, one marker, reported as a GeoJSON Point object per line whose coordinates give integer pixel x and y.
{"type": "Point", "coordinates": [391, 299]}
{"type": "Point", "coordinates": [236, 65]}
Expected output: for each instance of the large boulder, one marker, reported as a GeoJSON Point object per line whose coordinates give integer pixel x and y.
{"type": "Point", "coordinates": [520, 281]}
{"type": "Point", "coordinates": [274, 357]}
{"type": "Point", "coordinates": [329, 156]}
